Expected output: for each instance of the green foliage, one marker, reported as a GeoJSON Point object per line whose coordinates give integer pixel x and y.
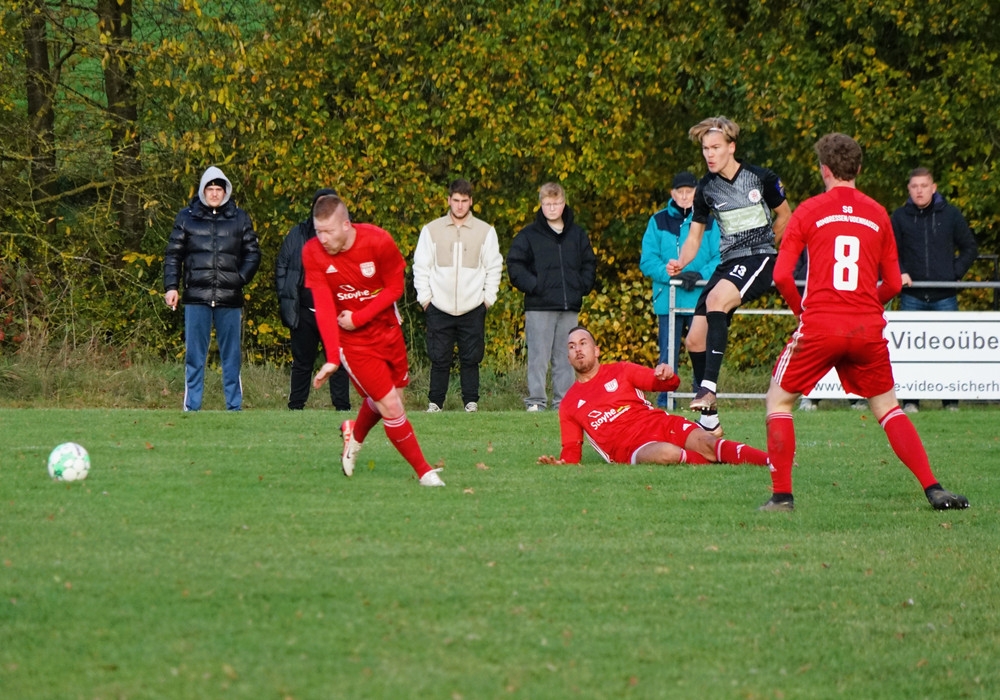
{"type": "Point", "coordinates": [387, 102]}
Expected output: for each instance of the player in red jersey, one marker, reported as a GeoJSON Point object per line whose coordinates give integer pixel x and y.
{"type": "Point", "coordinates": [607, 404]}
{"type": "Point", "coordinates": [355, 273]}
{"type": "Point", "coordinates": [851, 247]}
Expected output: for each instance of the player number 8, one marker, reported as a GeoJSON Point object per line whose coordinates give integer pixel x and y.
{"type": "Point", "coordinates": [847, 251]}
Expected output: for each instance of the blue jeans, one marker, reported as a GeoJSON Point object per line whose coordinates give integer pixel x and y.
{"type": "Point", "coordinates": [198, 322]}
{"type": "Point", "coordinates": [546, 333]}
{"type": "Point", "coordinates": [908, 302]}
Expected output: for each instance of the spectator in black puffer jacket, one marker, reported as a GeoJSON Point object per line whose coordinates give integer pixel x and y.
{"type": "Point", "coordinates": [214, 249]}
{"type": "Point", "coordinates": [295, 305]}
{"type": "Point", "coordinates": [935, 245]}
{"type": "Point", "coordinates": [552, 261]}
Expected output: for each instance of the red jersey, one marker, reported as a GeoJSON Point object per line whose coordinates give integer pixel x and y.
{"type": "Point", "coordinates": [611, 410]}
{"type": "Point", "coordinates": [366, 279]}
{"type": "Point", "coordinates": [850, 244]}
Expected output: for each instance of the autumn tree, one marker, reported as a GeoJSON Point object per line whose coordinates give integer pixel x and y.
{"type": "Point", "coordinates": [387, 102]}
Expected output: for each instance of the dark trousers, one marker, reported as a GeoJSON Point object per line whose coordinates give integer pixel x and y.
{"type": "Point", "coordinates": [672, 356]}
{"type": "Point", "coordinates": [305, 347]}
{"type": "Point", "coordinates": [444, 332]}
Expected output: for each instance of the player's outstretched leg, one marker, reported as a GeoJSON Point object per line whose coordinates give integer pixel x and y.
{"type": "Point", "coordinates": [908, 446]}
{"type": "Point", "coordinates": [731, 452]}
{"type": "Point", "coordinates": [781, 452]}
{"type": "Point", "coordinates": [717, 338]}
{"type": "Point", "coordinates": [400, 433]}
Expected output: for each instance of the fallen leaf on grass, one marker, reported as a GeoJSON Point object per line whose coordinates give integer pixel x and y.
{"type": "Point", "coordinates": [481, 466]}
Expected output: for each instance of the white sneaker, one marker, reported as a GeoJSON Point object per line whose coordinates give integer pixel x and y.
{"type": "Point", "coordinates": [431, 478]}
{"type": "Point", "coordinates": [806, 404]}
{"type": "Point", "coordinates": [471, 407]}
{"type": "Point", "coordinates": [910, 408]}
{"type": "Point", "coordinates": [433, 408]}
{"type": "Point", "coordinates": [534, 408]}
{"type": "Point", "coordinates": [351, 448]}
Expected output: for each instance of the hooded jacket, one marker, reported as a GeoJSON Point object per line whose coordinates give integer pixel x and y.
{"type": "Point", "coordinates": [554, 270]}
{"type": "Point", "coordinates": [289, 277]}
{"type": "Point", "coordinates": [214, 250]}
{"type": "Point", "coordinates": [665, 234]}
{"type": "Point", "coordinates": [927, 240]}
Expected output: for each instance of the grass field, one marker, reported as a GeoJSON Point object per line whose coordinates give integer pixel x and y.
{"type": "Point", "coordinates": [218, 555]}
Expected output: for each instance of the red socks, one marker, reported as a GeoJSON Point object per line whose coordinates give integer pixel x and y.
{"type": "Point", "coordinates": [368, 418]}
{"type": "Point", "coordinates": [400, 433]}
{"type": "Point", "coordinates": [781, 450]}
{"type": "Point", "coordinates": [907, 445]}
{"type": "Point", "coordinates": [692, 457]}
{"type": "Point", "coordinates": [737, 453]}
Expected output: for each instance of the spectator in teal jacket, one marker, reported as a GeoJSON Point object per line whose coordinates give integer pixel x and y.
{"type": "Point", "coordinates": [665, 234]}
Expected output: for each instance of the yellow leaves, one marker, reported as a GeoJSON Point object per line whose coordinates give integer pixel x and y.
{"type": "Point", "coordinates": [133, 256]}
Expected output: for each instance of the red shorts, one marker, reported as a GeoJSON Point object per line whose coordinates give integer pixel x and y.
{"type": "Point", "coordinates": [861, 361]}
{"type": "Point", "coordinates": [665, 428]}
{"type": "Point", "coordinates": [375, 370]}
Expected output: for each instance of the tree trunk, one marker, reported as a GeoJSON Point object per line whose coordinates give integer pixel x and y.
{"type": "Point", "coordinates": [115, 22]}
{"type": "Point", "coordinates": [41, 113]}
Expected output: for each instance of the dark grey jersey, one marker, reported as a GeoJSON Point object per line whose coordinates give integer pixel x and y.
{"type": "Point", "coordinates": [743, 207]}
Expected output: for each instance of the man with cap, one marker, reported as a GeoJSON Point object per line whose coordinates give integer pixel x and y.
{"type": "Point", "coordinates": [214, 249]}
{"type": "Point", "coordinates": [665, 234]}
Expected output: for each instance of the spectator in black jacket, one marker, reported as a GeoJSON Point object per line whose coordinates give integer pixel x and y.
{"type": "Point", "coordinates": [552, 262]}
{"type": "Point", "coordinates": [935, 245]}
{"type": "Point", "coordinates": [214, 249]}
{"type": "Point", "coordinates": [295, 305]}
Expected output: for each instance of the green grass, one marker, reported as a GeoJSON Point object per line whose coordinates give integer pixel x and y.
{"type": "Point", "coordinates": [224, 555]}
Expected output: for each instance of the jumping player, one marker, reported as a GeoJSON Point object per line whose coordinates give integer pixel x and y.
{"type": "Point", "coordinates": [606, 403]}
{"type": "Point", "coordinates": [355, 273]}
{"type": "Point", "coordinates": [850, 244]}
{"type": "Point", "coordinates": [749, 203]}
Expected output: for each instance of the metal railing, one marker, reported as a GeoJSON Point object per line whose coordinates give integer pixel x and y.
{"type": "Point", "coordinates": [672, 328]}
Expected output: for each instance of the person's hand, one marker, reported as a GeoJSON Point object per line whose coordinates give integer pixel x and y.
{"type": "Point", "coordinates": [663, 371]}
{"type": "Point", "coordinates": [907, 280]}
{"type": "Point", "coordinates": [549, 459]}
{"type": "Point", "coordinates": [689, 280]}
{"type": "Point", "coordinates": [171, 299]}
{"type": "Point", "coordinates": [324, 373]}
{"type": "Point", "coordinates": [674, 267]}
{"type": "Point", "coordinates": [345, 319]}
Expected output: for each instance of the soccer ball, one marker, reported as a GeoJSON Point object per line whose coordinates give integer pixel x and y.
{"type": "Point", "coordinates": [69, 462]}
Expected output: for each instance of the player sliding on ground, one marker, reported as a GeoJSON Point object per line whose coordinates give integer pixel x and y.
{"type": "Point", "coordinates": [850, 247]}
{"type": "Point", "coordinates": [607, 404]}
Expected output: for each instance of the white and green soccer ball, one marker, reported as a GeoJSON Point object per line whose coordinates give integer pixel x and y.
{"type": "Point", "coordinates": [69, 462]}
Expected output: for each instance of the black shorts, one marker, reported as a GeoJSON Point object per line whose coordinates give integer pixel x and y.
{"type": "Point", "coordinates": [752, 276]}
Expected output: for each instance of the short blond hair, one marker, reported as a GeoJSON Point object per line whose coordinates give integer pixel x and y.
{"type": "Point", "coordinates": [729, 129]}
{"type": "Point", "coordinates": [551, 189]}
{"type": "Point", "coordinates": [327, 206]}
